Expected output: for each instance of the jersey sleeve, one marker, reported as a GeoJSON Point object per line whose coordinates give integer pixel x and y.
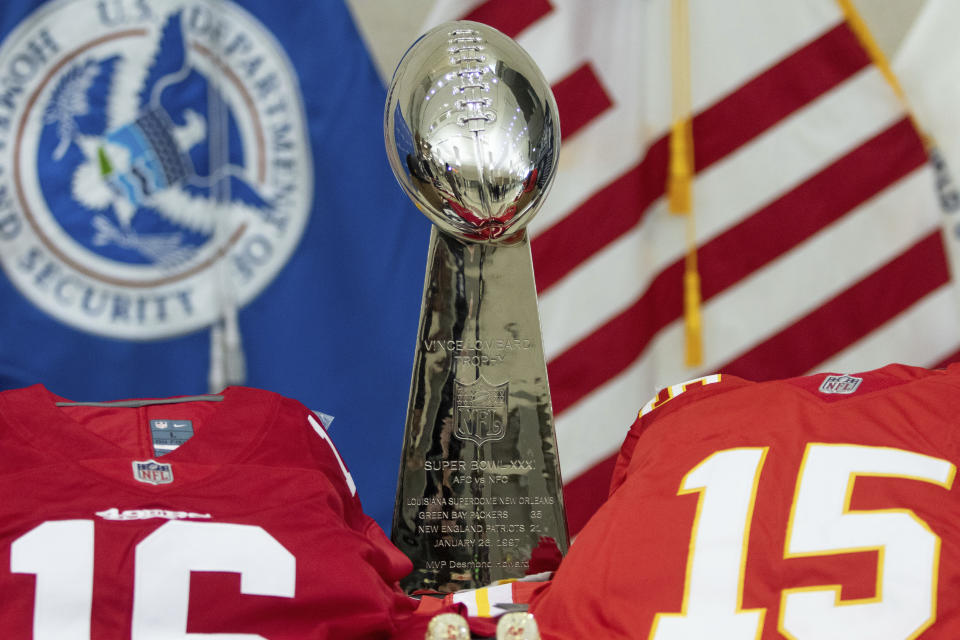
{"type": "Point", "coordinates": [297, 438]}
{"type": "Point", "coordinates": [665, 402]}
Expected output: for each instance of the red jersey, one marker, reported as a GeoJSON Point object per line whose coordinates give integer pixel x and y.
{"type": "Point", "coordinates": [820, 507]}
{"type": "Point", "coordinates": [249, 529]}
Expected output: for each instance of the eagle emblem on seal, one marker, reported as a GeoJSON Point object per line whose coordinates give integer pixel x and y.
{"type": "Point", "coordinates": [138, 149]}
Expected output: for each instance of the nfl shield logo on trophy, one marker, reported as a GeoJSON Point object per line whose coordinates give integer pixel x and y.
{"type": "Point", "coordinates": [480, 411]}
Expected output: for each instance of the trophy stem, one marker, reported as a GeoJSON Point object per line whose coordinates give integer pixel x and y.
{"type": "Point", "coordinates": [479, 490]}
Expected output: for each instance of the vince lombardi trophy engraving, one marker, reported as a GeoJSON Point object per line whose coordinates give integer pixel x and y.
{"type": "Point", "coordinates": [472, 135]}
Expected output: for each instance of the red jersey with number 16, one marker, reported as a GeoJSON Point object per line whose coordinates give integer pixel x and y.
{"type": "Point", "coordinates": [821, 507]}
{"type": "Point", "coordinates": [249, 528]}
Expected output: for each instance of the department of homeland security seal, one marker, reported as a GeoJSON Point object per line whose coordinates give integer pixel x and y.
{"type": "Point", "coordinates": [150, 150]}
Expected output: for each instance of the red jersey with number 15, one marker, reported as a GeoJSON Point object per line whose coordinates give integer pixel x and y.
{"type": "Point", "coordinates": [818, 507]}
{"type": "Point", "coordinates": [249, 528]}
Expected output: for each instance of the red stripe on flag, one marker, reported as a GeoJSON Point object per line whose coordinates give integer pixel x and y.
{"type": "Point", "coordinates": [734, 121]}
{"type": "Point", "coordinates": [809, 207]}
{"type": "Point", "coordinates": [849, 316]}
{"type": "Point", "coordinates": [770, 97]}
{"type": "Point", "coordinates": [509, 16]}
{"type": "Point", "coordinates": [734, 255]}
{"type": "Point", "coordinates": [580, 98]}
{"type": "Point", "coordinates": [585, 493]}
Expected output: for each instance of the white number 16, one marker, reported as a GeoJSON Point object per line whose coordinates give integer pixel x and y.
{"type": "Point", "coordinates": [60, 553]}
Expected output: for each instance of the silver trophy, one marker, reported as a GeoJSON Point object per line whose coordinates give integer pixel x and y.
{"type": "Point", "coordinates": [472, 135]}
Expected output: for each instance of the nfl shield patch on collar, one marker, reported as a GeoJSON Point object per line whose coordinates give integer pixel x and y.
{"type": "Point", "coordinates": [152, 472]}
{"type": "Point", "coordinates": [842, 384]}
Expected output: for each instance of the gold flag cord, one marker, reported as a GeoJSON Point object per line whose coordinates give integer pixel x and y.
{"type": "Point", "coordinates": [877, 57]}
{"type": "Point", "coordinates": [863, 34]}
{"type": "Point", "coordinates": [681, 173]}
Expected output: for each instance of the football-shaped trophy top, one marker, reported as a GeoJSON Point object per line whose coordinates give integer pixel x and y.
{"type": "Point", "coordinates": [472, 131]}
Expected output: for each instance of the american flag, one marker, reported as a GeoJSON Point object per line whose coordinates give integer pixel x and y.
{"type": "Point", "coordinates": [817, 217]}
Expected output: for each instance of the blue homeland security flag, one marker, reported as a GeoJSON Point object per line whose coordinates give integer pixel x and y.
{"type": "Point", "coordinates": [183, 178]}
